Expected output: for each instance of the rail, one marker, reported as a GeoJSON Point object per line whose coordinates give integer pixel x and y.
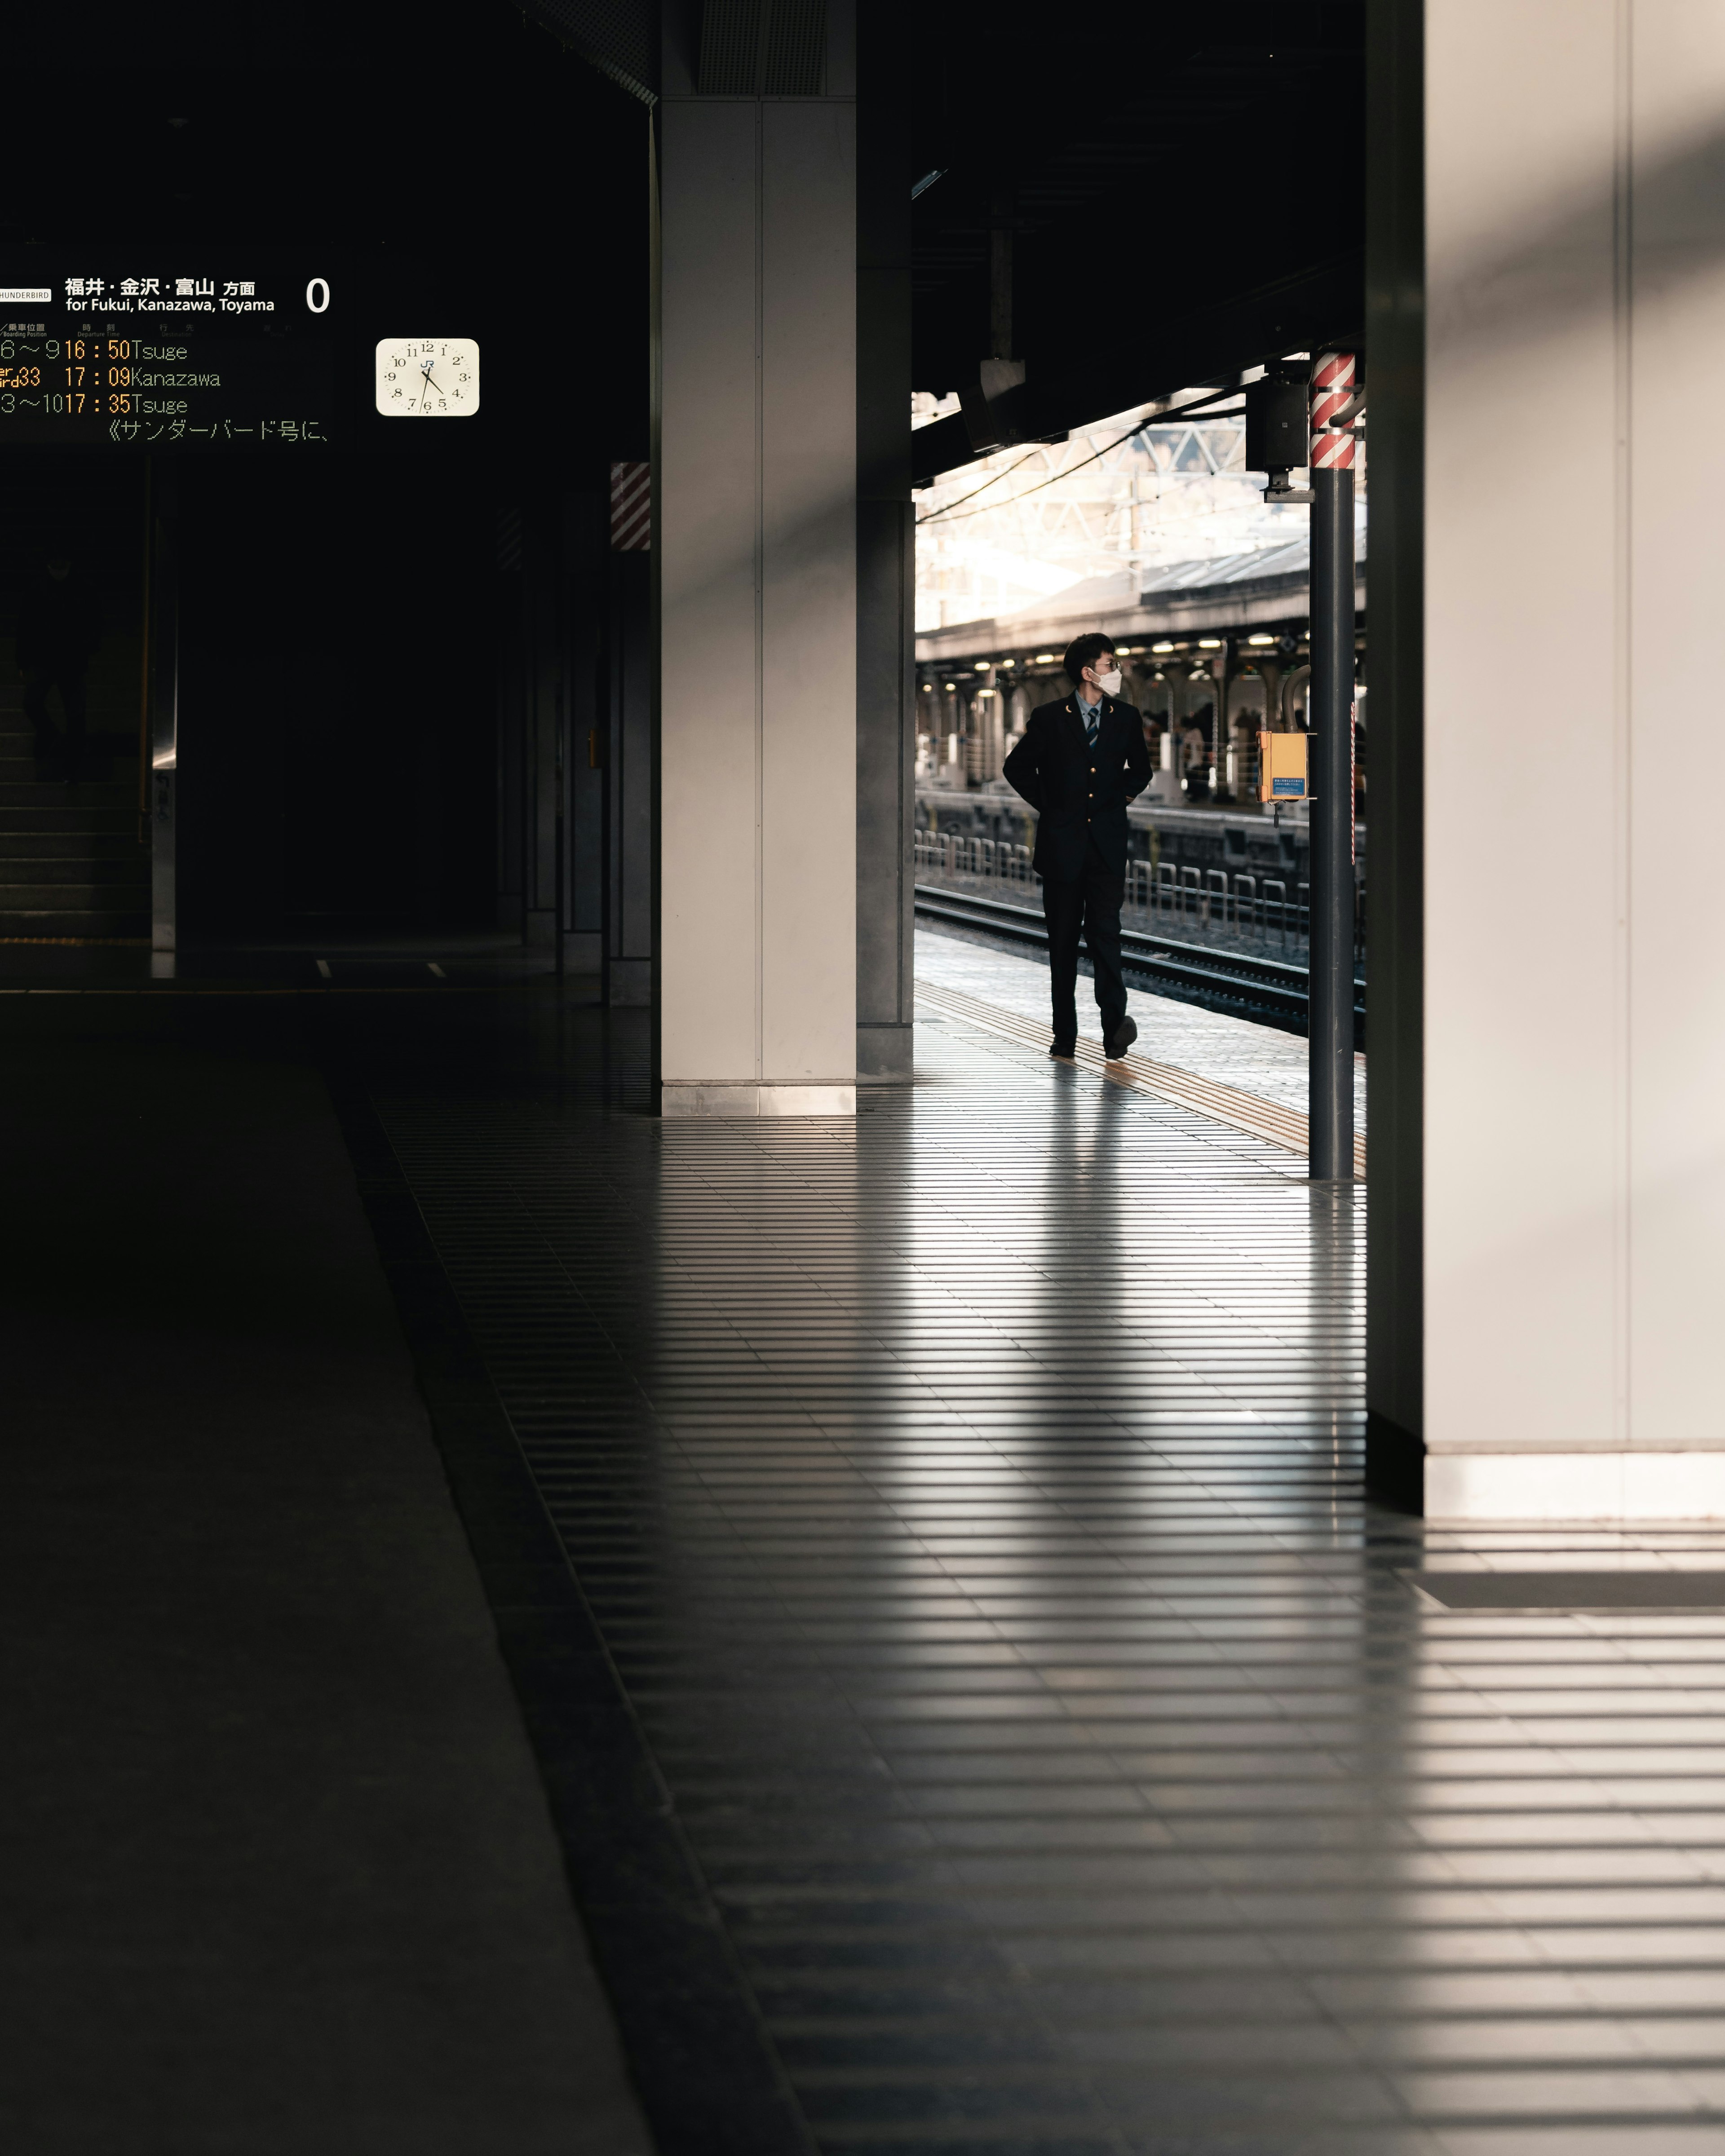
{"type": "Point", "coordinates": [1173, 898]}
{"type": "Point", "coordinates": [1270, 991]}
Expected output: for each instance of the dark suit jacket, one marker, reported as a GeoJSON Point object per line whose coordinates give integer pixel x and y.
{"type": "Point", "coordinates": [1079, 794]}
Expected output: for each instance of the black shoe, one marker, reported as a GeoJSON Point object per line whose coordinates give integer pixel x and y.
{"type": "Point", "coordinates": [1065, 1049]}
{"type": "Point", "coordinates": [1122, 1039]}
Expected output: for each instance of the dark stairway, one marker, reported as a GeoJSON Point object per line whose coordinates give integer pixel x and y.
{"type": "Point", "coordinates": [70, 863]}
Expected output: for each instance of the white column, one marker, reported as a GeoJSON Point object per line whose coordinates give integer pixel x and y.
{"type": "Point", "coordinates": [756, 525]}
{"type": "Point", "coordinates": [1569, 1221]}
{"type": "Point", "coordinates": [992, 726]}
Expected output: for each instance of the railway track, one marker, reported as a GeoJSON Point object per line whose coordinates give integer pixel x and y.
{"type": "Point", "coordinates": [1267, 990]}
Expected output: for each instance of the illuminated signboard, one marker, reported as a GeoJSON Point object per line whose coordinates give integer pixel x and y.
{"type": "Point", "coordinates": [111, 357]}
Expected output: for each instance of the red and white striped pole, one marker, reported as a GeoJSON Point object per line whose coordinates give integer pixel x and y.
{"type": "Point", "coordinates": [1332, 394]}
{"type": "Point", "coordinates": [1329, 710]}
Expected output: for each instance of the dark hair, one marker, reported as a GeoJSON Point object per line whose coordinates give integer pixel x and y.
{"type": "Point", "coordinates": [1085, 651]}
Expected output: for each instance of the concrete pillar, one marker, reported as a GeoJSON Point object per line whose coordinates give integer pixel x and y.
{"type": "Point", "coordinates": [584, 559]}
{"type": "Point", "coordinates": [544, 720]}
{"type": "Point", "coordinates": [1546, 311]}
{"type": "Point", "coordinates": [886, 719]}
{"type": "Point", "coordinates": [164, 659]}
{"type": "Point", "coordinates": [627, 779]}
{"type": "Point", "coordinates": [928, 716]}
{"type": "Point", "coordinates": [755, 502]}
{"type": "Point", "coordinates": [991, 723]}
{"type": "Point", "coordinates": [970, 735]}
{"type": "Point", "coordinates": [1219, 735]}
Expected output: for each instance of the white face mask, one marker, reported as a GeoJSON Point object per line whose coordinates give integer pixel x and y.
{"type": "Point", "coordinates": [1109, 684]}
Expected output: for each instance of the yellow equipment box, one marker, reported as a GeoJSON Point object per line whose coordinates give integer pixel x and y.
{"type": "Point", "coordinates": [1282, 767]}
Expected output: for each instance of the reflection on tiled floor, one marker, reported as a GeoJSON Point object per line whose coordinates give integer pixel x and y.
{"type": "Point", "coordinates": [969, 1496]}
{"type": "Point", "coordinates": [1258, 1059]}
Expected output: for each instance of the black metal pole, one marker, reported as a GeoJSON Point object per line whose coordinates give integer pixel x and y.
{"type": "Point", "coordinates": [1330, 721]}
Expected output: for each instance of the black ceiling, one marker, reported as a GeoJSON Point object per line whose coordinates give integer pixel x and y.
{"type": "Point", "coordinates": [458, 146]}
{"type": "Point", "coordinates": [1183, 184]}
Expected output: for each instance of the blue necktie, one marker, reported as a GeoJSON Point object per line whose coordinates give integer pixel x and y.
{"type": "Point", "coordinates": [1093, 726]}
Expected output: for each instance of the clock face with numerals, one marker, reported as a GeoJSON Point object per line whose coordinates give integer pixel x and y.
{"type": "Point", "coordinates": [428, 377]}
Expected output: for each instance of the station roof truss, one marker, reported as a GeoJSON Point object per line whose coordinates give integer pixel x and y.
{"type": "Point", "coordinates": [1030, 490]}
{"type": "Point", "coordinates": [1138, 493]}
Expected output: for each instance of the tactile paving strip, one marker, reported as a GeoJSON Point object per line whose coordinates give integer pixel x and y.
{"type": "Point", "coordinates": [1204, 1097]}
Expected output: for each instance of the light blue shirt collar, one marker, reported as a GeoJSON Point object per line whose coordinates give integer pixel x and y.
{"type": "Point", "coordinates": [1085, 709]}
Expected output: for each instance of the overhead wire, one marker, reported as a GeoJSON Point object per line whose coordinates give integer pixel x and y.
{"type": "Point", "coordinates": [1155, 419]}
{"type": "Point", "coordinates": [935, 516]}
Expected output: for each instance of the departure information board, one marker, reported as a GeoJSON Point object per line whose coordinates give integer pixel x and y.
{"type": "Point", "coordinates": [201, 362]}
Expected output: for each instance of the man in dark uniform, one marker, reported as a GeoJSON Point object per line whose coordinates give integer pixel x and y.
{"type": "Point", "coordinates": [58, 627]}
{"type": "Point", "coordinates": [1078, 765]}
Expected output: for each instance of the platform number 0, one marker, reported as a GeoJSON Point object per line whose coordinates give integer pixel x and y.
{"type": "Point", "coordinates": [317, 294]}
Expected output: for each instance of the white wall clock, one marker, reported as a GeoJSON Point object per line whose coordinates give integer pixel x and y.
{"type": "Point", "coordinates": [428, 377]}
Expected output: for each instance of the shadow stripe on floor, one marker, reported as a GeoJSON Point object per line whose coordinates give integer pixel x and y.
{"type": "Point", "coordinates": [705, 2068]}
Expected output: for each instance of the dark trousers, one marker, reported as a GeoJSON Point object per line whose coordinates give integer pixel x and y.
{"type": "Point", "coordinates": [68, 676]}
{"type": "Point", "coordinates": [1092, 904]}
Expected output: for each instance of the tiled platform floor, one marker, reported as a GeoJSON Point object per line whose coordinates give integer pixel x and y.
{"type": "Point", "coordinates": [1257, 1059]}
{"type": "Point", "coordinates": [968, 1500]}
{"type": "Point", "coordinates": [277, 1875]}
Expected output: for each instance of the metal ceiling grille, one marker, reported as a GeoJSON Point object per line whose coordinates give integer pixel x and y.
{"type": "Point", "coordinates": [620, 37]}
{"type": "Point", "coordinates": [762, 48]}
{"type": "Point", "coordinates": [796, 48]}
{"type": "Point", "coordinates": [730, 48]}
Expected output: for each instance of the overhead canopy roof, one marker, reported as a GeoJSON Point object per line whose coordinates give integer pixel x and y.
{"type": "Point", "coordinates": [1182, 185]}
{"type": "Point", "coordinates": [1079, 381]}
